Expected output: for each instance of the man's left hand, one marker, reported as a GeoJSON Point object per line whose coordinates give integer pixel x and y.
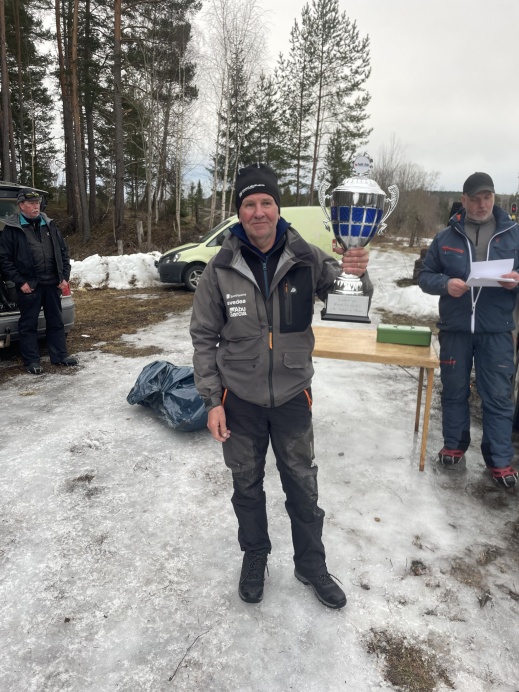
{"type": "Point", "coordinates": [509, 285]}
{"type": "Point", "coordinates": [63, 285]}
{"type": "Point", "coordinates": [355, 260]}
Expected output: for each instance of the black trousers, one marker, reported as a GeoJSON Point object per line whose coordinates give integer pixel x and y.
{"type": "Point", "coordinates": [289, 428]}
{"type": "Point", "coordinates": [30, 304]}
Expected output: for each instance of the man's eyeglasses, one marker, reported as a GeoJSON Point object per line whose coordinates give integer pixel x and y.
{"type": "Point", "coordinates": [32, 195]}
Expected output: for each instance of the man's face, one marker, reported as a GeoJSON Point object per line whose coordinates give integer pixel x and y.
{"type": "Point", "coordinates": [259, 215]}
{"type": "Point", "coordinates": [30, 208]}
{"type": "Point", "coordinates": [479, 206]}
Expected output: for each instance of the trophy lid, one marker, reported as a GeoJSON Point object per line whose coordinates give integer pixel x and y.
{"type": "Point", "coordinates": [359, 182]}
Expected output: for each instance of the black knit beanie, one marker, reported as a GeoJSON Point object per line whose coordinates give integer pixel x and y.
{"type": "Point", "coordinates": [257, 177]}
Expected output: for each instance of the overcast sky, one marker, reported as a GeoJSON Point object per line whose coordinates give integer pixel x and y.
{"type": "Point", "coordinates": [444, 81]}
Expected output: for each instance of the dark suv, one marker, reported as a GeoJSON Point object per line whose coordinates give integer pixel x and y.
{"type": "Point", "coordinates": [9, 313]}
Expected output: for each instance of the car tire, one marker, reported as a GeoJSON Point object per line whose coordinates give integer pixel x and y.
{"type": "Point", "coordinates": [192, 275]}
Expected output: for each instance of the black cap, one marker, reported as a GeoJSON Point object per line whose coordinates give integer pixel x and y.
{"type": "Point", "coordinates": [28, 195]}
{"type": "Point", "coordinates": [258, 177]}
{"type": "Point", "coordinates": [478, 182]}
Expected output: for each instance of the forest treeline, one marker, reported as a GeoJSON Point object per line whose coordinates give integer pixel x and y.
{"type": "Point", "coordinates": [120, 101]}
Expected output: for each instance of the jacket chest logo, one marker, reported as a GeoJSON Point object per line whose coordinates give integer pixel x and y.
{"type": "Point", "coordinates": [236, 304]}
{"type": "Point", "coordinates": [237, 311]}
{"type": "Point", "coordinates": [447, 250]}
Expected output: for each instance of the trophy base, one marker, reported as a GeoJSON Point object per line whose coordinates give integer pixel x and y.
{"type": "Point", "coordinates": [344, 318]}
{"type": "Point", "coordinates": [346, 308]}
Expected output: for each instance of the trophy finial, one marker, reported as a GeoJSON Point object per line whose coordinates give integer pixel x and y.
{"type": "Point", "coordinates": [362, 165]}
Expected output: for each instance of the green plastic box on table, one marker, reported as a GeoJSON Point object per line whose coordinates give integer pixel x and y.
{"type": "Point", "coordinates": [403, 334]}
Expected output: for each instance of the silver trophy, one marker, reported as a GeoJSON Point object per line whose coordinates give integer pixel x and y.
{"type": "Point", "coordinates": [356, 215]}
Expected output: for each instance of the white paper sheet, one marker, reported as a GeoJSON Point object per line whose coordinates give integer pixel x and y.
{"type": "Point", "coordinates": [490, 273]}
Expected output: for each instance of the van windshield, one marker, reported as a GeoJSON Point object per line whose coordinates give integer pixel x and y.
{"type": "Point", "coordinates": [214, 230]}
{"type": "Point", "coordinates": [7, 208]}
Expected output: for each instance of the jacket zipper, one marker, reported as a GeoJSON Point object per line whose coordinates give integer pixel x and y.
{"type": "Point", "coordinates": [288, 302]}
{"type": "Point", "coordinates": [474, 299]}
{"type": "Point", "coordinates": [271, 333]}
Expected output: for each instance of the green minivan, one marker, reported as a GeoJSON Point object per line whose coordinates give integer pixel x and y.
{"type": "Point", "coordinates": [185, 264]}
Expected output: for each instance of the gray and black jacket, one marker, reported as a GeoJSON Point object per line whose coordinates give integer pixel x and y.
{"type": "Point", "coordinates": [16, 258]}
{"type": "Point", "coordinates": [258, 343]}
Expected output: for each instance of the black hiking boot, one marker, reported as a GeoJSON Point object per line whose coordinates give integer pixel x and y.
{"type": "Point", "coordinates": [71, 361]}
{"type": "Point", "coordinates": [252, 577]}
{"type": "Point", "coordinates": [325, 588]}
{"type": "Point", "coordinates": [34, 368]}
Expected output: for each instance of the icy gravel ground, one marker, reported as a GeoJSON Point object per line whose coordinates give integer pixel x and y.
{"type": "Point", "coordinates": [119, 562]}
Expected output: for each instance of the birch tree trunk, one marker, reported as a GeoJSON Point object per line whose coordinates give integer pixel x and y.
{"type": "Point", "coordinates": [226, 159]}
{"type": "Point", "coordinates": [215, 171]}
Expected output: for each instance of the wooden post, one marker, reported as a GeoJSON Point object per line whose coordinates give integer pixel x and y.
{"type": "Point", "coordinates": [119, 247]}
{"type": "Point", "coordinates": [140, 233]}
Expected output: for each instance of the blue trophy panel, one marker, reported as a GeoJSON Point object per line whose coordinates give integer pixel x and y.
{"type": "Point", "coordinates": [355, 222]}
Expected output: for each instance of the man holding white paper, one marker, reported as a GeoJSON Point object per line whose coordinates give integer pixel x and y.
{"type": "Point", "coordinates": [473, 265]}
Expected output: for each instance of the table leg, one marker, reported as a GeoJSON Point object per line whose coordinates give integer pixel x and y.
{"type": "Point", "coordinates": [425, 430]}
{"type": "Point", "coordinates": [418, 400]}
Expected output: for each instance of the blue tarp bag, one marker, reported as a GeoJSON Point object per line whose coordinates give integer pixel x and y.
{"type": "Point", "coordinates": [169, 390]}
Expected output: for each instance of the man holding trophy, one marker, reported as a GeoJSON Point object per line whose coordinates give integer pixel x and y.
{"type": "Point", "coordinates": [252, 333]}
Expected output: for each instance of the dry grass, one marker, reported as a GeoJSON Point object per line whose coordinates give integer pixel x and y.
{"type": "Point", "coordinates": [407, 666]}
{"type": "Point", "coordinates": [104, 315]}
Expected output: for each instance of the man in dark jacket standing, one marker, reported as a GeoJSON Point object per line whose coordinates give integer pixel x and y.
{"type": "Point", "coordinates": [33, 255]}
{"type": "Point", "coordinates": [476, 326]}
{"type": "Point", "coordinates": [253, 341]}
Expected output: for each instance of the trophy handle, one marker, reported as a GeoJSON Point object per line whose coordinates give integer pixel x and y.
{"type": "Point", "coordinates": [322, 201]}
{"type": "Point", "coordinates": [393, 191]}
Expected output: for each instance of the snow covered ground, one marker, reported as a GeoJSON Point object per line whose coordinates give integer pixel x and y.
{"type": "Point", "coordinates": [118, 555]}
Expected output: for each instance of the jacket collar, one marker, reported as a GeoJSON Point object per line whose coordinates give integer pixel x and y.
{"type": "Point", "coordinates": [503, 221]}
{"type": "Point", "coordinates": [24, 221]}
{"type": "Point", "coordinates": [281, 229]}
{"type": "Point", "coordinates": [15, 220]}
{"type": "Point", "coordinates": [295, 247]}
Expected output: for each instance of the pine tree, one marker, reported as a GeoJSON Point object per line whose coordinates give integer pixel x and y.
{"type": "Point", "coordinates": [30, 99]}
{"type": "Point", "coordinates": [158, 88]}
{"type": "Point", "coordinates": [295, 77]}
{"type": "Point", "coordinates": [263, 139]}
{"type": "Point", "coordinates": [325, 74]}
{"type": "Point", "coordinates": [337, 160]}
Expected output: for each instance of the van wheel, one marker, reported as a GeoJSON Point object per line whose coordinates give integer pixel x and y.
{"type": "Point", "coordinates": [192, 275]}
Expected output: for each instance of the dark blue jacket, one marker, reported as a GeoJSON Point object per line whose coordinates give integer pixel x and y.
{"type": "Point", "coordinates": [483, 310]}
{"type": "Point", "coordinates": [16, 260]}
